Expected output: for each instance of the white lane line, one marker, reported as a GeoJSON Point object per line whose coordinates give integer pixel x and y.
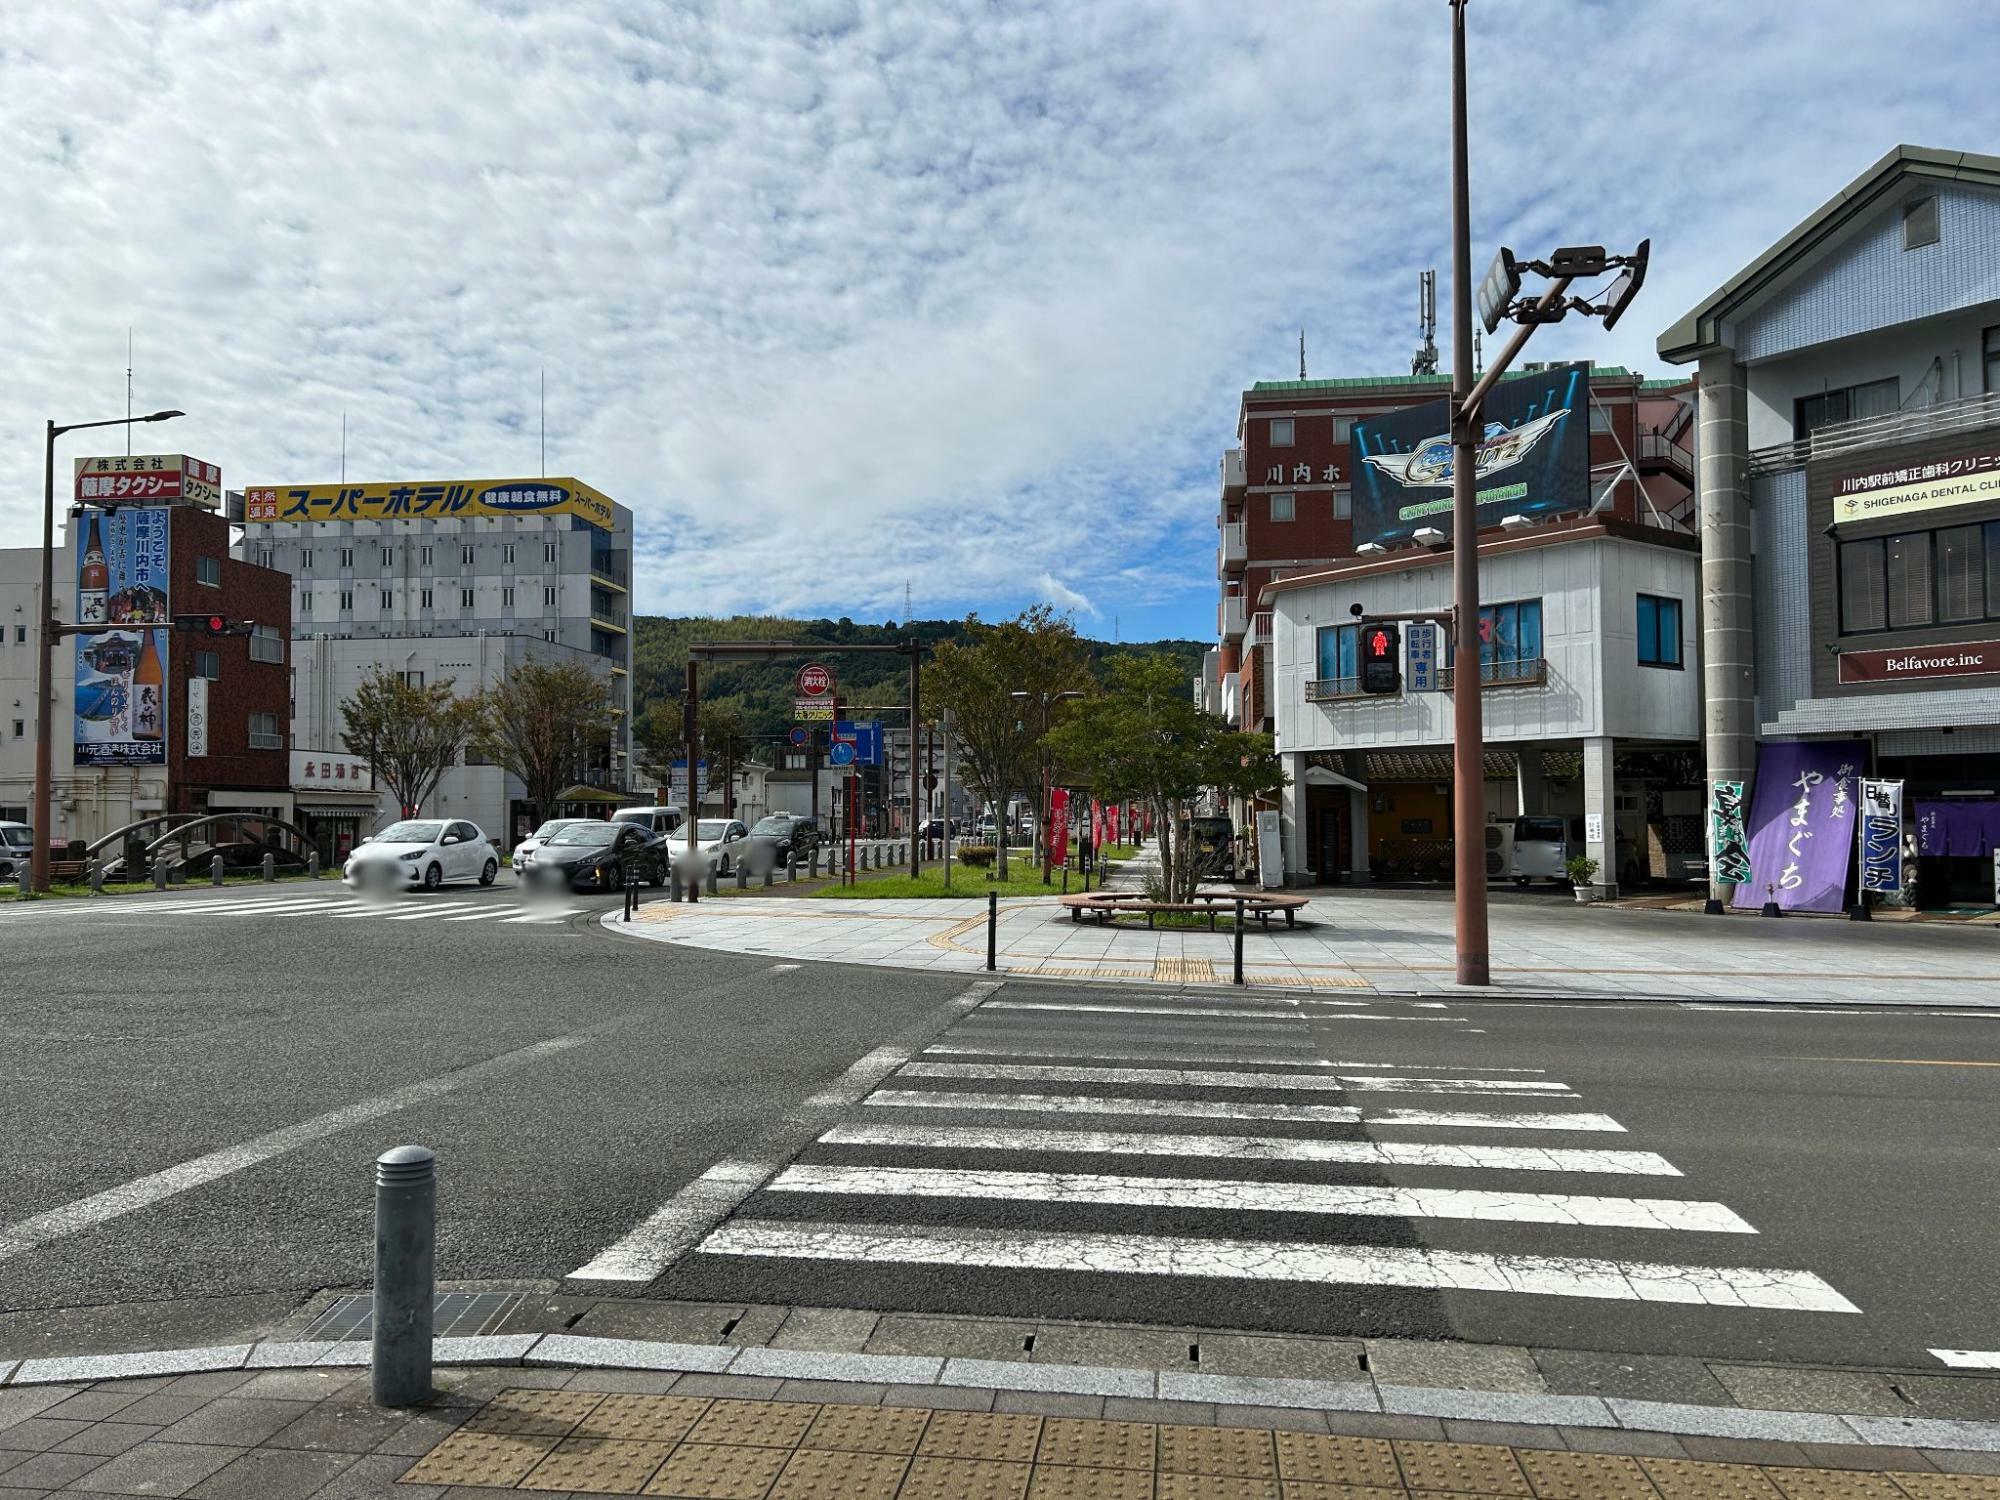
{"type": "Point", "coordinates": [485, 916]}
{"type": "Point", "coordinates": [544, 916]}
{"type": "Point", "coordinates": [1359, 1201]}
{"type": "Point", "coordinates": [84, 1213]}
{"type": "Point", "coordinates": [1252, 1148]}
{"type": "Point", "coordinates": [433, 909]}
{"type": "Point", "coordinates": [782, 968]}
{"type": "Point", "coordinates": [679, 1223]}
{"type": "Point", "coordinates": [269, 903]}
{"type": "Point", "coordinates": [1229, 1109]}
{"type": "Point", "coordinates": [1166, 1052]}
{"type": "Point", "coordinates": [1334, 1083]}
{"type": "Point", "coordinates": [1970, 1359]}
{"type": "Point", "coordinates": [1267, 1260]}
{"type": "Point", "coordinates": [1291, 1017]}
{"type": "Point", "coordinates": [1454, 1119]}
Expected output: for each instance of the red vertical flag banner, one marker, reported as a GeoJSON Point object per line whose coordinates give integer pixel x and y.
{"type": "Point", "coordinates": [1059, 812]}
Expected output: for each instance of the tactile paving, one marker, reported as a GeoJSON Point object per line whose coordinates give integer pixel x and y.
{"type": "Point", "coordinates": [969, 1479]}
{"type": "Point", "coordinates": [867, 1429]}
{"type": "Point", "coordinates": [1213, 1487]}
{"type": "Point", "coordinates": [1481, 1468]}
{"type": "Point", "coordinates": [643, 1419]}
{"type": "Point", "coordinates": [1949, 1486]}
{"type": "Point", "coordinates": [1240, 1452]}
{"type": "Point", "coordinates": [482, 1458]}
{"type": "Point", "coordinates": [1052, 1482]}
{"type": "Point", "coordinates": [1584, 1476]}
{"type": "Point", "coordinates": [1831, 1484]}
{"type": "Point", "coordinates": [813, 1474]}
{"type": "Point", "coordinates": [1309, 1489]}
{"type": "Point", "coordinates": [1086, 1443]}
{"type": "Point", "coordinates": [1338, 1460]}
{"type": "Point", "coordinates": [708, 1471]}
{"type": "Point", "coordinates": [755, 1424]}
{"type": "Point", "coordinates": [1695, 1479]}
{"type": "Point", "coordinates": [534, 1412]}
{"type": "Point", "coordinates": [606, 1466]}
{"type": "Point", "coordinates": [1010, 1436]}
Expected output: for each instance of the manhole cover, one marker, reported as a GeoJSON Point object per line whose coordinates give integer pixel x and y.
{"type": "Point", "coordinates": [351, 1319]}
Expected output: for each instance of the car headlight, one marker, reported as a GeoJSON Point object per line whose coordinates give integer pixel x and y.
{"type": "Point", "coordinates": [413, 854]}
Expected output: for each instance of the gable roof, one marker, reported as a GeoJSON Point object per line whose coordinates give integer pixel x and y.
{"type": "Point", "coordinates": [1700, 330]}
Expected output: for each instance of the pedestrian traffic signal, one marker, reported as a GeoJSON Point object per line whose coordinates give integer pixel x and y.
{"type": "Point", "coordinates": [1381, 659]}
{"type": "Point", "coordinates": [213, 625]}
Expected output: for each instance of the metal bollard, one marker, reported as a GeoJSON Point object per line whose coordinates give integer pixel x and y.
{"type": "Point", "coordinates": [767, 876]}
{"type": "Point", "coordinates": [215, 870]}
{"type": "Point", "coordinates": [159, 877]}
{"type": "Point", "coordinates": [791, 871]}
{"type": "Point", "coordinates": [631, 897]}
{"type": "Point", "coordinates": [405, 1268]}
{"type": "Point", "coordinates": [711, 880]}
{"type": "Point", "coordinates": [312, 864]}
{"type": "Point", "coordinates": [674, 885]}
{"type": "Point", "coordinates": [1239, 939]}
{"type": "Point", "coordinates": [992, 928]}
{"type": "Point", "coordinates": [97, 877]}
{"type": "Point", "coordinates": [812, 865]}
{"type": "Point", "coordinates": [1065, 880]}
{"type": "Point", "coordinates": [24, 882]}
{"type": "Point", "coordinates": [742, 876]}
{"type": "Point", "coordinates": [270, 867]}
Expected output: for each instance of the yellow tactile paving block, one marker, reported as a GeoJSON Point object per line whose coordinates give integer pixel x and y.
{"type": "Point", "coordinates": [601, 1466]}
{"type": "Point", "coordinates": [1183, 971]}
{"type": "Point", "coordinates": [1054, 1482]}
{"type": "Point", "coordinates": [813, 1474]}
{"type": "Point", "coordinates": [1235, 1452]}
{"type": "Point", "coordinates": [482, 1458]}
{"type": "Point", "coordinates": [1078, 1442]}
{"type": "Point", "coordinates": [755, 1424]}
{"type": "Point", "coordinates": [1460, 1468]}
{"type": "Point", "coordinates": [1309, 1489]}
{"type": "Point", "coordinates": [1689, 1479]}
{"type": "Point", "coordinates": [1584, 1476]}
{"type": "Point", "coordinates": [1338, 1460]}
{"type": "Point", "coordinates": [643, 1419]}
{"type": "Point", "coordinates": [1832, 1484]}
{"type": "Point", "coordinates": [867, 1429]}
{"type": "Point", "coordinates": [969, 1479]}
{"type": "Point", "coordinates": [534, 1412]}
{"type": "Point", "coordinates": [1213, 1487]}
{"type": "Point", "coordinates": [1009, 1436]}
{"type": "Point", "coordinates": [1949, 1486]}
{"type": "Point", "coordinates": [709, 1471]}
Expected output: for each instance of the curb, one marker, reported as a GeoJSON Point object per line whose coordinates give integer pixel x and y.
{"type": "Point", "coordinates": [564, 1350]}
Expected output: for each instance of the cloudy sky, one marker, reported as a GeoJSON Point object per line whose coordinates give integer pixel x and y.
{"type": "Point", "coordinates": [843, 294]}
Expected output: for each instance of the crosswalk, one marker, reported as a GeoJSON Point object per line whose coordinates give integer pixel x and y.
{"type": "Point", "coordinates": [1158, 1145]}
{"type": "Point", "coordinates": [332, 905]}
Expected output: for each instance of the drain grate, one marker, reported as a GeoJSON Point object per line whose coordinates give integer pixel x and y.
{"type": "Point", "coordinates": [351, 1319]}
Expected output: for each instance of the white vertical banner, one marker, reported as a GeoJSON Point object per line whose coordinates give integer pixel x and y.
{"type": "Point", "coordinates": [197, 711]}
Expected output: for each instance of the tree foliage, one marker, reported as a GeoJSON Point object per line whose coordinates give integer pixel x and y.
{"type": "Point", "coordinates": [410, 736]}
{"type": "Point", "coordinates": [661, 738]}
{"type": "Point", "coordinates": [547, 722]}
{"type": "Point", "coordinates": [1145, 739]}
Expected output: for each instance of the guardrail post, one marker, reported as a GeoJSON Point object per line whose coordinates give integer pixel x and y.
{"type": "Point", "coordinates": [992, 928]}
{"type": "Point", "coordinates": [674, 883]}
{"type": "Point", "coordinates": [312, 864]}
{"type": "Point", "coordinates": [767, 875]}
{"type": "Point", "coordinates": [812, 865]}
{"type": "Point", "coordinates": [97, 877]}
{"type": "Point", "coordinates": [792, 870]}
{"type": "Point", "coordinates": [710, 881]}
{"type": "Point", "coordinates": [405, 1268]}
{"type": "Point", "coordinates": [742, 876]}
{"type": "Point", "coordinates": [215, 870]}
{"type": "Point", "coordinates": [1239, 939]}
{"type": "Point", "coordinates": [159, 876]}
{"type": "Point", "coordinates": [270, 867]}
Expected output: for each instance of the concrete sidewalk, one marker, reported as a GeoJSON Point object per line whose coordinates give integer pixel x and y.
{"type": "Point", "coordinates": [1371, 940]}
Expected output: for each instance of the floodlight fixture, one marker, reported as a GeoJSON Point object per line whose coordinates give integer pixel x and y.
{"type": "Point", "coordinates": [1626, 287]}
{"type": "Point", "coordinates": [1430, 536]}
{"type": "Point", "coordinates": [1515, 523]}
{"type": "Point", "coordinates": [1498, 291]}
{"type": "Point", "coordinates": [1579, 261]}
{"type": "Point", "coordinates": [1371, 549]}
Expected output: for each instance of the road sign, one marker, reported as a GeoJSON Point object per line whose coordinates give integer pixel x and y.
{"type": "Point", "coordinates": [813, 710]}
{"type": "Point", "coordinates": [815, 680]}
{"type": "Point", "coordinates": [677, 779]}
{"type": "Point", "coordinates": [842, 754]}
{"type": "Point", "coordinates": [800, 734]}
{"type": "Point", "coordinates": [864, 735]}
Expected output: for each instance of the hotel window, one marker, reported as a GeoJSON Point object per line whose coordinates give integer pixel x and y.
{"type": "Point", "coordinates": [1284, 507]}
{"type": "Point", "coordinates": [208, 664]}
{"type": "Point", "coordinates": [208, 570]}
{"type": "Point", "coordinates": [1281, 432]}
{"type": "Point", "coordinates": [347, 598]}
{"type": "Point", "coordinates": [305, 602]}
{"type": "Point", "coordinates": [507, 597]}
{"type": "Point", "coordinates": [388, 558]}
{"type": "Point", "coordinates": [387, 600]}
{"type": "Point", "coordinates": [1343, 505]}
{"type": "Point", "coordinates": [1659, 631]}
{"type": "Point", "coordinates": [347, 557]}
{"type": "Point", "coordinates": [465, 598]}
{"type": "Point", "coordinates": [549, 597]}
{"type": "Point", "coordinates": [465, 555]}
{"type": "Point", "coordinates": [263, 557]}
{"type": "Point", "coordinates": [1343, 428]}
{"type": "Point", "coordinates": [424, 556]}
{"type": "Point", "coordinates": [550, 551]}
{"type": "Point", "coordinates": [1876, 398]}
{"type": "Point", "coordinates": [306, 560]}
{"type": "Point", "coordinates": [507, 555]}
{"type": "Point", "coordinates": [426, 599]}
{"type": "Point", "coordinates": [1600, 419]}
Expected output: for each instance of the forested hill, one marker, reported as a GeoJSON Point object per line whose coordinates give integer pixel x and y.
{"type": "Point", "coordinates": [762, 688]}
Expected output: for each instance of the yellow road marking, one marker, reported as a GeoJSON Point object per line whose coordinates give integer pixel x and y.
{"type": "Point", "coordinates": [1901, 1062]}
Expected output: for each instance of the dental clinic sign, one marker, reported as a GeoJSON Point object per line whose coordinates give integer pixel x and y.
{"type": "Point", "coordinates": [1960, 659]}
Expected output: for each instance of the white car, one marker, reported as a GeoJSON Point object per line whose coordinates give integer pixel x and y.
{"type": "Point", "coordinates": [717, 839]}
{"type": "Point", "coordinates": [525, 850]}
{"type": "Point", "coordinates": [17, 849]}
{"type": "Point", "coordinates": [422, 852]}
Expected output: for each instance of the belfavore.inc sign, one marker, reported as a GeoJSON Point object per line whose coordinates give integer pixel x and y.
{"type": "Point", "coordinates": [1960, 659]}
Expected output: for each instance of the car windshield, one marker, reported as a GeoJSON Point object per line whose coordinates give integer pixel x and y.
{"type": "Point", "coordinates": [410, 833]}
{"type": "Point", "coordinates": [19, 835]}
{"type": "Point", "coordinates": [586, 833]}
{"type": "Point", "coordinates": [773, 825]}
{"type": "Point", "coordinates": [550, 827]}
{"type": "Point", "coordinates": [714, 828]}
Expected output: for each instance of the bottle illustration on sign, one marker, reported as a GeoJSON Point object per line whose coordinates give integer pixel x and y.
{"type": "Point", "coordinates": [148, 693]}
{"type": "Point", "coordinates": [93, 579]}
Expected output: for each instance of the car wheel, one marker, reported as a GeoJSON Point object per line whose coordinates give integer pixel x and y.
{"type": "Point", "coordinates": [657, 877]}
{"type": "Point", "coordinates": [433, 878]}
{"type": "Point", "coordinates": [614, 876]}
{"type": "Point", "coordinates": [1521, 881]}
{"type": "Point", "coordinates": [490, 873]}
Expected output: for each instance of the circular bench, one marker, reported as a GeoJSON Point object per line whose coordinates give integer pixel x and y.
{"type": "Point", "coordinates": [1107, 906]}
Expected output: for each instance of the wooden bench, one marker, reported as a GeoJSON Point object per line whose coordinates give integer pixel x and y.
{"type": "Point", "coordinates": [1107, 906]}
{"type": "Point", "coordinates": [68, 871]}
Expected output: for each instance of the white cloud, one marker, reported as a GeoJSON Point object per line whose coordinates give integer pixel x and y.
{"type": "Point", "coordinates": [1062, 596]}
{"type": "Point", "coordinates": [846, 294]}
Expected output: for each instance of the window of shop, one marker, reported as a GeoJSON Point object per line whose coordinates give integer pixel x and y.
{"type": "Point", "coordinates": [1281, 432]}
{"type": "Point", "coordinates": [1950, 576]}
{"type": "Point", "coordinates": [1876, 398]}
{"type": "Point", "coordinates": [264, 732]}
{"type": "Point", "coordinates": [1659, 631]}
{"type": "Point", "coordinates": [1284, 507]}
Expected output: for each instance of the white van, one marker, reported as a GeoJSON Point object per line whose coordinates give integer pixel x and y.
{"type": "Point", "coordinates": [653, 819]}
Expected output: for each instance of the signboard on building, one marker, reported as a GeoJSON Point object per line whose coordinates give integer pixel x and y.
{"type": "Point", "coordinates": [1881, 835]}
{"type": "Point", "coordinates": [1892, 487]}
{"type": "Point", "coordinates": [1802, 824]}
{"type": "Point", "coordinates": [121, 671]}
{"type": "Point", "coordinates": [427, 500]}
{"type": "Point", "coordinates": [1533, 458]}
{"type": "Point", "coordinates": [1421, 642]}
{"type": "Point", "coordinates": [815, 680]}
{"type": "Point", "coordinates": [197, 711]}
{"type": "Point", "coordinates": [813, 710]}
{"type": "Point", "coordinates": [1960, 659]}
{"type": "Point", "coordinates": [330, 771]}
{"type": "Point", "coordinates": [148, 476]}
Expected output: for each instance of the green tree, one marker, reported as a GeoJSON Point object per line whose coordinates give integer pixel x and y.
{"type": "Point", "coordinates": [1145, 739]}
{"type": "Point", "coordinates": [410, 736]}
{"type": "Point", "coordinates": [546, 722]}
{"type": "Point", "coordinates": [725, 740]}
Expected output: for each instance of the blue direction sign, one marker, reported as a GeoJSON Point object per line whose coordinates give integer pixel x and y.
{"type": "Point", "coordinates": [842, 753]}
{"type": "Point", "coordinates": [865, 739]}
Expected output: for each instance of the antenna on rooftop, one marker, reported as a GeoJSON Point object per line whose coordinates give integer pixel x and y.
{"type": "Point", "coordinates": [1425, 360]}
{"type": "Point", "coordinates": [906, 603]}
{"type": "Point", "coordinates": [128, 388]}
{"type": "Point", "coordinates": [1302, 354]}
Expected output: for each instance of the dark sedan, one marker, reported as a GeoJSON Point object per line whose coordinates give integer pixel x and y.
{"type": "Point", "coordinates": [594, 855]}
{"type": "Point", "coordinates": [787, 836]}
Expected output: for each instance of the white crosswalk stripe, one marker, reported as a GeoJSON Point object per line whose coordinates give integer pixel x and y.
{"type": "Point", "coordinates": [1222, 1121]}
{"type": "Point", "coordinates": [336, 906]}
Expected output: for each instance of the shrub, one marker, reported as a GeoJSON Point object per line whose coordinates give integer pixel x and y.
{"type": "Point", "coordinates": [977, 856]}
{"type": "Point", "coordinates": [1580, 870]}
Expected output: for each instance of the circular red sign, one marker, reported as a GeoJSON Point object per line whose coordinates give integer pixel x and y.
{"type": "Point", "coordinates": [815, 681]}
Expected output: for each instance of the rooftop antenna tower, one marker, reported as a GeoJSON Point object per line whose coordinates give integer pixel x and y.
{"type": "Point", "coordinates": [1425, 360]}
{"type": "Point", "coordinates": [1302, 354]}
{"type": "Point", "coordinates": [906, 603]}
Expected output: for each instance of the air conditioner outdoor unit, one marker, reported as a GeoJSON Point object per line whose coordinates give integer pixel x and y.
{"type": "Point", "coordinates": [1499, 850]}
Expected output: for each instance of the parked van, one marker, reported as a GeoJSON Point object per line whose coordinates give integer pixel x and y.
{"type": "Point", "coordinates": [652, 819]}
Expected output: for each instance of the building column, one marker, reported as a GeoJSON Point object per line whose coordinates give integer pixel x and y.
{"type": "Point", "coordinates": [1600, 786]}
{"type": "Point", "coordinates": [1292, 832]}
{"type": "Point", "coordinates": [1357, 832]}
{"type": "Point", "coordinates": [1728, 621]}
{"type": "Point", "coordinates": [1531, 787]}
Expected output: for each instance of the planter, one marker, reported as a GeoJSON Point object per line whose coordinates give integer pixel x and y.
{"type": "Point", "coordinates": [1586, 894]}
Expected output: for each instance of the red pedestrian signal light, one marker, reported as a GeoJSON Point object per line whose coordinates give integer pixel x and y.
{"type": "Point", "coordinates": [1381, 659]}
{"type": "Point", "coordinates": [213, 625]}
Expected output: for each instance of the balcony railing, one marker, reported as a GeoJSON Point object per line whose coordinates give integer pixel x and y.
{"type": "Point", "coordinates": [1235, 547]}
{"type": "Point", "coordinates": [1235, 473]}
{"type": "Point", "coordinates": [1939, 417]}
{"type": "Point", "coordinates": [1656, 448]}
{"type": "Point", "coordinates": [1525, 672]}
{"type": "Point", "coordinates": [1260, 629]}
{"type": "Point", "coordinates": [1329, 689]}
{"type": "Point", "coordinates": [1234, 618]}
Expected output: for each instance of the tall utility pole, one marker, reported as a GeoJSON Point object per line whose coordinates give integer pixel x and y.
{"type": "Point", "coordinates": [691, 732]}
{"type": "Point", "coordinates": [916, 721]}
{"type": "Point", "coordinates": [1468, 817]}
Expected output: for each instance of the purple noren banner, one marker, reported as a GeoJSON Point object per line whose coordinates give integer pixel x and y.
{"type": "Point", "coordinates": [1802, 823]}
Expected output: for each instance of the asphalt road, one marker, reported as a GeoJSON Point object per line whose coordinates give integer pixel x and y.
{"type": "Point", "coordinates": [1061, 1151]}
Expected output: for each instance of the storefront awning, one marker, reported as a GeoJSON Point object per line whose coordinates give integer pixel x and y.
{"type": "Point", "coordinates": [359, 809]}
{"type": "Point", "coordinates": [600, 797]}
